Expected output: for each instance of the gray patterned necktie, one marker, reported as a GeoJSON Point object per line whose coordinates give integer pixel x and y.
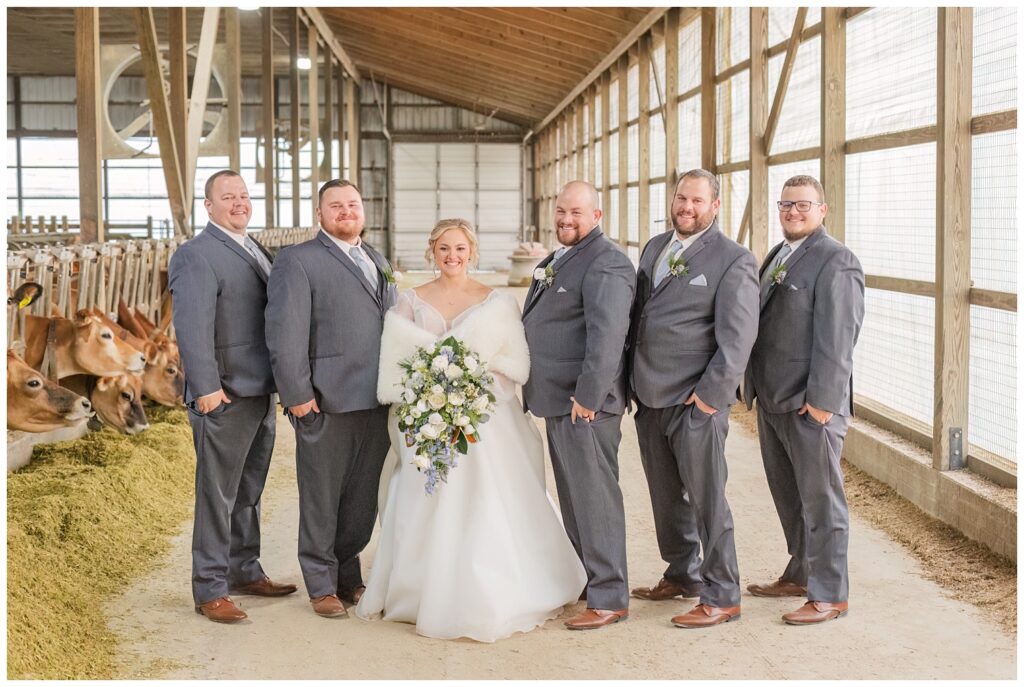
{"type": "Point", "coordinates": [256, 253]}
{"type": "Point", "coordinates": [360, 258]}
{"type": "Point", "coordinates": [663, 268]}
{"type": "Point", "coordinates": [766, 279]}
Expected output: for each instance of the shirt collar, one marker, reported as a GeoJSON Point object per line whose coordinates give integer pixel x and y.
{"type": "Point", "coordinates": [239, 238]}
{"type": "Point", "coordinates": [796, 244]}
{"type": "Point", "coordinates": [690, 240]}
{"type": "Point", "coordinates": [343, 245]}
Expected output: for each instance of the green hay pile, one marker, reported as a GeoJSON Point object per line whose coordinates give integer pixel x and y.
{"type": "Point", "coordinates": [84, 518]}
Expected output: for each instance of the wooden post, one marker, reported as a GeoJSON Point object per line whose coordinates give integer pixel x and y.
{"type": "Point", "coordinates": [329, 115]}
{"type": "Point", "coordinates": [314, 116]}
{"type": "Point", "coordinates": [293, 101]}
{"type": "Point", "coordinates": [787, 71]}
{"type": "Point", "coordinates": [952, 238]}
{"type": "Point", "coordinates": [161, 118]}
{"type": "Point", "coordinates": [87, 85]}
{"type": "Point", "coordinates": [233, 43]}
{"type": "Point", "coordinates": [623, 219]}
{"type": "Point", "coordinates": [644, 139]}
{"type": "Point", "coordinates": [342, 123]}
{"type": "Point", "coordinates": [579, 138]}
{"type": "Point", "coordinates": [833, 118]}
{"type": "Point", "coordinates": [591, 128]}
{"type": "Point", "coordinates": [352, 128]}
{"type": "Point", "coordinates": [606, 153]}
{"type": "Point", "coordinates": [708, 111]}
{"type": "Point", "coordinates": [757, 214]}
{"type": "Point", "coordinates": [671, 105]}
{"type": "Point", "coordinates": [267, 83]}
{"type": "Point", "coordinates": [177, 38]}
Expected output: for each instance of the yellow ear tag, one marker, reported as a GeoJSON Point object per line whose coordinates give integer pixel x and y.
{"type": "Point", "coordinates": [24, 301]}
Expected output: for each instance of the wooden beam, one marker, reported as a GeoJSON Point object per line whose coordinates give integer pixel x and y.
{"type": "Point", "coordinates": [756, 211]}
{"type": "Point", "coordinates": [833, 118]}
{"type": "Point", "coordinates": [624, 45]}
{"type": "Point", "coordinates": [352, 129]}
{"type": "Point", "coordinates": [994, 122]}
{"type": "Point", "coordinates": [895, 139]}
{"type": "Point", "coordinates": [592, 127]}
{"type": "Point", "coordinates": [914, 287]}
{"type": "Point", "coordinates": [233, 45]}
{"type": "Point", "coordinates": [801, 155]}
{"type": "Point", "coordinates": [1000, 300]}
{"type": "Point", "coordinates": [708, 115]}
{"type": "Point", "coordinates": [150, 57]}
{"type": "Point", "coordinates": [87, 109]}
{"type": "Point", "coordinates": [177, 39]}
{"type": "Point", "coordinates": [314, 117]}
{"type": "Point", "coordinates": [294, 123]}
{"type": "Point", "coordinates": [671, 107]}
{"type": "Point", "coordinates": [578, 142]}
{"type": "Point", "coordinates": [197, 103]}
{"type": "Point", "coordinates": [953, 238]}
{"type": "Point", "coordinates": [730, 167]}
{"type": "Point", "coordinates": [329, 111]}
{"type": "Point", "coordinates": [342, 123]}
{"type": "Point", "coordinates": [269, 136]}
{"type": "Point", "coordinates": [644, 139]}
{"type": "Point", "coordinates": [331, 40]}
{"type": "Point", "coordinates": [623, 219]}
{"type": "Point", "coordinates": [787, 72]}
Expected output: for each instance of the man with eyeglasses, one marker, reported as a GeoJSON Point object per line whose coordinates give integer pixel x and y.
{"type": "Point", "coordinates": [800, 371]}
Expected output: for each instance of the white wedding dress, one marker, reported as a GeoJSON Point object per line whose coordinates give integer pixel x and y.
{"type": "Point", "coordinates": [486, 555]}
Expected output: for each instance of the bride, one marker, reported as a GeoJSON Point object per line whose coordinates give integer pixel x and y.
{"type": "Point", "coordinates": [485, 555]}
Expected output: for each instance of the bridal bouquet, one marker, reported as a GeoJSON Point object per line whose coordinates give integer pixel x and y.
{"type": "Point", "coordinates": [444, 401]}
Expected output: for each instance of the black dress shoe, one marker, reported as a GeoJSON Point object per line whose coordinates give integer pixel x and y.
{"type": "Point", "coordinates": [352, 596]}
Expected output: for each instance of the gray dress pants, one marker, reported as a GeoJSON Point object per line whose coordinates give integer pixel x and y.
{"type": "Point", "coordinates": [585, 460]}
{"type": "Point", "coordinates": [338, 459]}
{"type": "Point", "coordinates": [683, 454]}
{"type": "Point", "coordinates": [233, 443]}
{"type": "Point", "coordinates": [801, 461]}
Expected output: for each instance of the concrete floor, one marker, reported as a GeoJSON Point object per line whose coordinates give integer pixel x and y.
{"type": "Point", "coordinates": [900, 626]}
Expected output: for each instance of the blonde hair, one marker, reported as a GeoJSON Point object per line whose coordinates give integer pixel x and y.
{"type": "Point", "coordinates": [447, 225]}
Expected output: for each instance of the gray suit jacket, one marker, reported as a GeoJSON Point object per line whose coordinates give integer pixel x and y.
{"type": "Point", "coordinates": [324, 322]}
{"type": "Point", "coordinates": [219, 294]}
{"type": "Point", "coordinates": [694, 331]}
{"type": "Point", "coordinates": [576, 330]}
{"type": "Point", "coordinates": [809, 325]}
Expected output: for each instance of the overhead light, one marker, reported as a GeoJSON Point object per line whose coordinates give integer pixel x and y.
{"type": "Point", "coordinates": [304, 63]}
{"type": "Point", "coordinates": [248, 6]}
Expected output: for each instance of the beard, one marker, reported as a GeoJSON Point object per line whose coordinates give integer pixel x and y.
{"type": "Point", "coordinates": [572, 234]}
{"type": "Point", "coordinates": [696, 224]}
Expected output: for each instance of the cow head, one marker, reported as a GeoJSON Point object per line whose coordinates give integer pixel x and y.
{"type": "Point", "coordinates": [163, 381]}
{"type": "Point", "coordinates": [118, 402]}
{"type": "Point", "coordinates": [35, 404]}
{"type": "Point", "coordinates": [99, 351]}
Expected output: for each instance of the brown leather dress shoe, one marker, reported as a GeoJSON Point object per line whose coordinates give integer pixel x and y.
{"type": "Point", "coordinates": [351, 596]}
{"type": "Point", "coordinates": [264, 587]}
{"type": "Point", "coordinates": [328, 606]}
{"type": "Point", "coordinates": [221, 610]}
{"type": "Point", "coordinates": [665, 589]}
{"type": "Point", "coordinates": [814, 612]}
{"type": "Point", "coordinates": [595, 618]}
{"type": "Point", "coordinates": [779, 587]}
{"type": "Point", "coordinates": [703, 615]}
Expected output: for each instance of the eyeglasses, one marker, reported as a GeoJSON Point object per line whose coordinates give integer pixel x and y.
{"type": "Point", "coordinates": [801, 205]}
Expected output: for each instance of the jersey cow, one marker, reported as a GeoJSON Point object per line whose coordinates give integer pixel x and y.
{"type": "Point", "coordinates": [116, 400]}
{"type": "Point", "coordinates": [35, 404]}
{"type": "Point", "coordinates": [162, 380]}
{"type": "Point", "coordinates": [85, 345]}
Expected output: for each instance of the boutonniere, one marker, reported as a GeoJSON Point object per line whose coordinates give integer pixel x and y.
{"type": "Point", "coordinates": [393, 276]}
{"type": "Point", "coordinates": [778, 275]}
{"type": "Point", "coordinates": [676, 266]}
{"type": "Point", "coordinates": [544, 275]}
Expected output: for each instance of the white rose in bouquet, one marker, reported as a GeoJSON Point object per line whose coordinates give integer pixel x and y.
{"type": "Point", "coordinates": [409, 395]}
{"type": "Point", "coordinates": [453, 372]}
{"type": "Point", "coordinates": [462, 421]}
{"type": "Point", "coordinates": [421, 462]}
{"type": "Point", "coordinates": [435, 419]}
{"type": "Point", "coordinates": [439, 363]}
{"type": "Point", "coordinates": [480, 404]}
{"type": "Point", "coordinates": [421, 406]}
{"type": "Point", "coordinates": [456, 398]}
{"type": "Point", "coordinates": [437, 401]}
{"type": "Point", "coordinates": [430, 432]}
{"type": "Point", "coordinates": [471, 364]}
{"type": "Point", "coordinates": [409, 419]}
{"type": "Point", "coordinates": [416, 413]}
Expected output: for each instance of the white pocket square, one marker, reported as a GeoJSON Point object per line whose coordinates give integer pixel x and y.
{"type": "Point", "coordinates": [561, 289]}
{"type": "Point", "coordinates": [699, 280]}
{"type": "Point", "coordinates": [793, 288]}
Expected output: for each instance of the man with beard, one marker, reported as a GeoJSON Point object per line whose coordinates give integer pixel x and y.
{"type": "Point", "coordinates": [693, 324]}
{"type": "Point", "coordinates": [325, 313]}
{"type": "Point", "coordinates": [576, 318]}
{"type": "Point", "coordinates": [801, 371]}
{"type": "Point", "coordinates": [219, 283]}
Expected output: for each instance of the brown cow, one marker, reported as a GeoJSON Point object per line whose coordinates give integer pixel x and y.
{"type": "Point", "coordinates": [162, 380]}
{"type": "Point", "coordinates": [85, 345]}
{"type": "Point", "coordinates": [116, 400]}
{"type": "Point", "coordinates": [35, 404]}
{"type": "Point", "coordinates": [139, 325]}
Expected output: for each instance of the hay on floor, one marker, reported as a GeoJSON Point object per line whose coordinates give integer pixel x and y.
{"type": "Point", "coordinates": [84, 518]}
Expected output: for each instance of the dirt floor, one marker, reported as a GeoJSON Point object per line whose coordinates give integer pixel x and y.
{"type": "Point", "coordinates": [909, 619]}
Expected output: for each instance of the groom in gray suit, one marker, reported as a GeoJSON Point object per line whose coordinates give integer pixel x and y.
{"type": "Point", "coordinates": [325, 313]}
{"type": "Point", "coordinates": [812, 307]}
{"type": "Point", "coordinates": [219, 283]}
{"type": "Point", "coordinates": [576, 318]}
{"type": "Point", "coordinates": [693, 325]}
